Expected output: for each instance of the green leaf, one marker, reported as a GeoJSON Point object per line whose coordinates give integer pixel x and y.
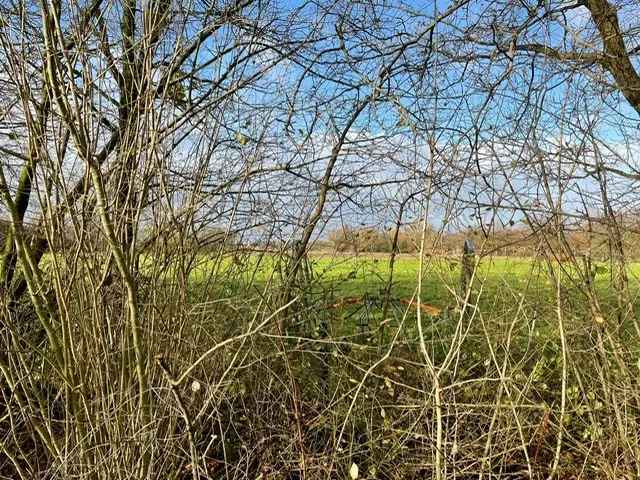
{"type": "Point", "coordinates": [601, 269]}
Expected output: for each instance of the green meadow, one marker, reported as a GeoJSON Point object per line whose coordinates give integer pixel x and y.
{"type": "Point", "coordinates": [348, 276]}
{"type": "Point", "coordinates": [513, 301]}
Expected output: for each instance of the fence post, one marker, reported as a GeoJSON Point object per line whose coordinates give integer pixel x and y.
{"type": "Point", "coordinates": [466, 272]}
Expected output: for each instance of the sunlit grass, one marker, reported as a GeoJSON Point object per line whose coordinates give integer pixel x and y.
{"type": "Point", "coordinates": [501, 284]}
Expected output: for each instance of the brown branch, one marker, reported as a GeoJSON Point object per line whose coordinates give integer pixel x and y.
{"type": "Point", "coordinates": [617, 59]}
{"type": "Point", "coordinates": [555, 54]}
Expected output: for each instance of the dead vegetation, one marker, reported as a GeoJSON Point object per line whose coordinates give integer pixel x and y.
{"type": "Point", "coordinates": [168, 168]}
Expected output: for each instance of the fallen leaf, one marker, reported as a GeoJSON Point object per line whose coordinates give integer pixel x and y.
{"type": "Point", "coordinates": [425, 307]}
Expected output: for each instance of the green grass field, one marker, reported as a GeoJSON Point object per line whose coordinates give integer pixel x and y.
{"type": "Point", "coordinates": [503, 289]}
{"type": "Point", "coordinates": [497, 280]}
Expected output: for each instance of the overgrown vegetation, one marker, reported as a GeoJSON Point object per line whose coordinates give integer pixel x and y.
{"type": "Point", "coordinates": [251, 239]}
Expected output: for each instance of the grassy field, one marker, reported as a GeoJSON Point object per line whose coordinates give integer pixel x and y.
{"type": "Point", "coordinates": [343, 289]}
{"type": "Point", "coordinates": [498, 281]}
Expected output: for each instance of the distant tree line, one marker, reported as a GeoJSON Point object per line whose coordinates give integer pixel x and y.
{"type": "Point", "coordinates": [585, 239]}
